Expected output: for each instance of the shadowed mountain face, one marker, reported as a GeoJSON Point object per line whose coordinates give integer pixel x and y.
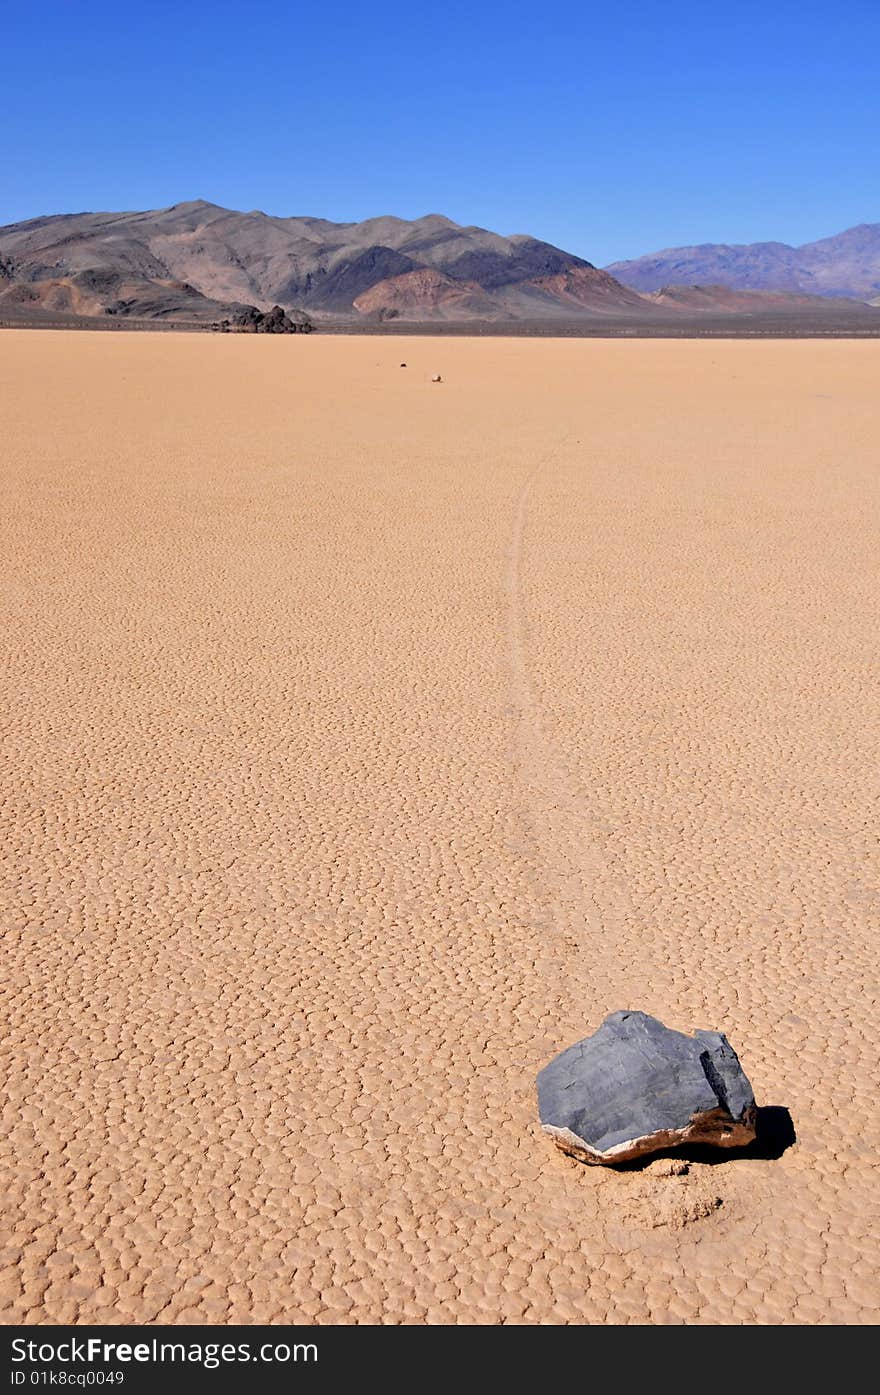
{"type": "Point", "coordinates": [847, 265]}
{"type": "Point", "coordinates": [382, 268]}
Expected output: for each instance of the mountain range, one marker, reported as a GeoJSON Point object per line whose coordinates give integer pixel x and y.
{"type": "Point", "coordinates": [196, 260]}
{"type": "Point", "coordinates": [846, 265]}
{"type": "Point", "coordinates": [198, 263]}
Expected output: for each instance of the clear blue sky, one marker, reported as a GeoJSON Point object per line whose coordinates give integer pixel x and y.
{"type": "Point", "coordinates": [609, 129]}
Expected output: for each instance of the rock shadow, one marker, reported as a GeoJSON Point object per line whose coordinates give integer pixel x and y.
{"type": "Point", "coordinates": [774, 1134]}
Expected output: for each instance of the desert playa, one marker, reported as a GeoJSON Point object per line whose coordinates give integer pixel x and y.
{"type": "Point", "coordinates": [367, 741]}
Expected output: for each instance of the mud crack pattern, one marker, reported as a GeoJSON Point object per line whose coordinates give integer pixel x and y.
{"type": "Point", "coordinates": [365, 744]}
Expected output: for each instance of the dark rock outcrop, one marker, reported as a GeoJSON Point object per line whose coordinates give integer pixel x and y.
{"type": "Point", "coordinates": [635, 1087]}
{"type": "Point", "coordinates": [250, 320]}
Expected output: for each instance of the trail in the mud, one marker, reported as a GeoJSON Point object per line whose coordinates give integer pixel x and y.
{"type": "Point", "coordinates": [553, 804]}
{"type": "Point", "coordinates": [591, 963]}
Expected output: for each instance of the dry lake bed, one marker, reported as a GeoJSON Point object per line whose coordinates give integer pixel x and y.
{"type": "Point", "coordinates": [366, 741]}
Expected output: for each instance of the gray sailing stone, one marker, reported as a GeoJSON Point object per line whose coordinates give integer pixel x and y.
{"type": "Point", "coordinates": [636, 1086]}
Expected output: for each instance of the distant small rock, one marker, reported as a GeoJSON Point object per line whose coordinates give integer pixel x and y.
{"type": "Point", "coordinates": [403, 365]}
{"type": "Point", "coordinates": [635, 1087]}
{"type": "Point", "coordinates": [435, 378]}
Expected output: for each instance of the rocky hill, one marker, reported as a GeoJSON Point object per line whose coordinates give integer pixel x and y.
{"type": "Point", "coordinates": [196, 260]}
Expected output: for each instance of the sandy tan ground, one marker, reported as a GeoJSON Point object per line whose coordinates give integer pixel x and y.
{"type": "Point", "coordinates": [367, 741]}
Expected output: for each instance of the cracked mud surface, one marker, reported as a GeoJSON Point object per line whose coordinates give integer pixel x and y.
{"type": "Point", "coordinates": [366, 742]}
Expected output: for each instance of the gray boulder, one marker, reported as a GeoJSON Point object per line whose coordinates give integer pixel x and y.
{"type": "Point", "coordinates": [635, 1087]}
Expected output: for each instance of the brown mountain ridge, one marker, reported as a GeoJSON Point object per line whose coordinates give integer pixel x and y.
{"type": "Point", "coordinates": [199, 263]}
{"type": "Point", "coordinates": [165, 262]}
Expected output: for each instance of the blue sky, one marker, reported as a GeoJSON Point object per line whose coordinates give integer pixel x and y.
{"type": "Point", "coordinates": [610, 130]}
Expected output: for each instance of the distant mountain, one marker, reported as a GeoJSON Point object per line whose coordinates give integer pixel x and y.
{"type": "Point", "coordinates": [724, 300]}
{"type": "Point", "coordinates": [847, 266]}
{"type": "Point", "coordinates": [195, 260]}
